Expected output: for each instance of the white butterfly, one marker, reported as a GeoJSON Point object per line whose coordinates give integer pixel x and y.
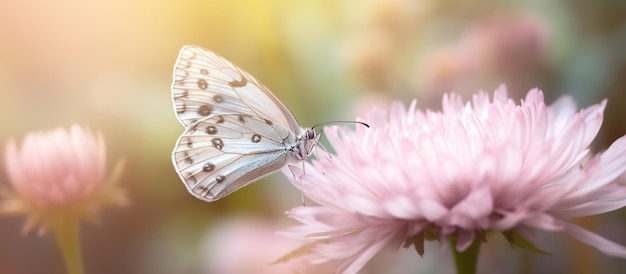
{"type": "Point", "coordinates": [236, 130]}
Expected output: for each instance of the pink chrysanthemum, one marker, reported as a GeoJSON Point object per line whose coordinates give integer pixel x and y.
{"type": "Point", "coordinates": [472, 168]}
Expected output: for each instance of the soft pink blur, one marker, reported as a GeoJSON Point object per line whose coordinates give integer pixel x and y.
{"type": "Point", "coordinates": [501, 48]}
{"type": "Point", "coordinates": [246, 245]}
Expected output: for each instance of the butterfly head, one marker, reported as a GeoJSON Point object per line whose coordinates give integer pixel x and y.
{"type": "Point", "coordinates": [308, 138]}
{"type": "Point", "coordinates": [305, 143]}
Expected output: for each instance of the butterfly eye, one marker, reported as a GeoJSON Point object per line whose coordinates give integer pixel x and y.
{"type": "Point", "coordinates": [310, 134]}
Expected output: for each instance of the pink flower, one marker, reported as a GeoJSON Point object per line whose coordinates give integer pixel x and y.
{"type": "Point", "coordinates": [472, 168]}
{"type": "Point", "coordinates": [59, 175]}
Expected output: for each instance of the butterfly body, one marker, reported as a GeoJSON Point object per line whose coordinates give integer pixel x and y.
{"type": "Point", "coordinates": [236, 130]}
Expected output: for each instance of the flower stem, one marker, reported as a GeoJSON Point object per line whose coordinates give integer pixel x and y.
{"type": "Point", "coordinates": [68, 239]}
{"type": "Point", "coordinates": [465, 261]}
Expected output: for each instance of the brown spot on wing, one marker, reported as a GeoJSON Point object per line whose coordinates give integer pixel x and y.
{"type": "Point", "coordinates": [238, 84]}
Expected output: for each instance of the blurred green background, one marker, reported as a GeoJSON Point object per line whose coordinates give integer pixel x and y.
{"type": "Point", "coordinates": [108, 65]}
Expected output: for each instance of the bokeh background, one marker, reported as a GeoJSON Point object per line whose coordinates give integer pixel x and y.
{"type": "Point", "coordinates": [108, 65]}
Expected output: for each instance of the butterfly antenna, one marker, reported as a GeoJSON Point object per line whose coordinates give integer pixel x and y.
{"type": "Point", "coordinates": [330, 122]}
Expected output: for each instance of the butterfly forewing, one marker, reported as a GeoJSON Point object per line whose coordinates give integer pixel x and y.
{"type": "Point", "coordinates": [206, 84]}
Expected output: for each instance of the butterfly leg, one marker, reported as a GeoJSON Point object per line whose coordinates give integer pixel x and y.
{"type": "Point", "coordinates": [302, 183]}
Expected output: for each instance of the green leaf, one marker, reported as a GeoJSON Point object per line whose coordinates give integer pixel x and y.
{"type": "Point", "coordinates": [418, 242]}
{"type": "Point", "coordinates": [516, 240]}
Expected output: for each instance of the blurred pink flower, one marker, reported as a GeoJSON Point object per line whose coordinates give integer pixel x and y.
{"type": "Point", "coordinates": [474, 167]}
{"type": "Point", "coordinates": [509, 47]}
{"type": "Point", "coordinates": [59, 175]}
{"type": "Point", "coordinates": [252, 246]}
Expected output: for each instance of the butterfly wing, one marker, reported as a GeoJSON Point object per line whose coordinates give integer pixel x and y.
{"type": "Point", "coordinates": [225, 152]}
{"type": "Point", "coordinates": [206, 84]}
{"type": "Point", "coordinates": [236, 130]}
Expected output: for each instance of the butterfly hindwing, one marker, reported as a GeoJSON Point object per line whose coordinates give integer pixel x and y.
{"type": "Point", "coordinates": [222, 153]}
